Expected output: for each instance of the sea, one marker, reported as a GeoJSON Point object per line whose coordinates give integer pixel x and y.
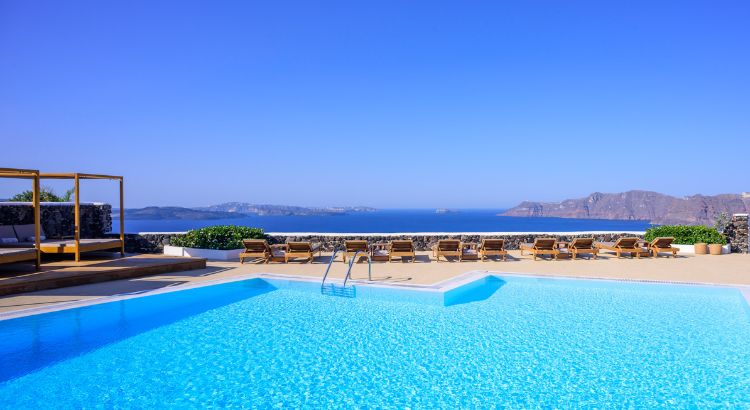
{"type": "Point", "coordinates": [395, 220]}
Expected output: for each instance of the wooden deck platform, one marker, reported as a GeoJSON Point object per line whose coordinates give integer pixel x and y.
{"type": "Point", "coordinates": [19, 278]}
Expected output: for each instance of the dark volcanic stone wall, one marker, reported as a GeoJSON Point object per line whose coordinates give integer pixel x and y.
{"type": "Point", "coordinates": [154, 242]}
{"type": "Point", "coordinates": [147, 243]}
{"type": "Point", "coordinates": [736, 233]}
{"type": "Point", "coordinates": [58, 218]}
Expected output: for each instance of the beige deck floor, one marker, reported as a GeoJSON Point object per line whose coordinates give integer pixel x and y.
{"type": "Point", "coordinates": [731, 269]}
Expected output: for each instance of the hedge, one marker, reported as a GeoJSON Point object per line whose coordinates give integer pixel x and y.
{"type": "Point", "coordinates": [686, 234]}
{"type": "Point", "coordinates": [220, 237]}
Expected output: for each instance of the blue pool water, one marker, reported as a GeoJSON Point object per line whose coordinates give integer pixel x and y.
{"type": "Point", "coordinates": [509, 341]}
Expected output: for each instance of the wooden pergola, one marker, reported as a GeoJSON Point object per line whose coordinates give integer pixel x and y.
{"type": "Point", "coordinates": [34, 176]}
{"type": "Point", "coordinates": [92, 246]}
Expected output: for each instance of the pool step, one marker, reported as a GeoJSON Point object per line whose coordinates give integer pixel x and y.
{"type": "Point", "coordinates": [331, 289]}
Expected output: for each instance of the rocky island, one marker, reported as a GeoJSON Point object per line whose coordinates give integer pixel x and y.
{"type": "Point", "coordinates": [638, 205]}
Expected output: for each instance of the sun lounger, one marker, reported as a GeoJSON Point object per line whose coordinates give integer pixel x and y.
{"type": "Point", "coordinates": [622, 245]}
{"type": "Point", "coordinates": [352, 247]}
{"type": "Point", "coordinates": [301, 250]}
{"type": "Point", "coordinates": [400, 249]}
{"type": "Point", "coordinates": [493, 247]}
{"type": "Point", "coordinates": [447, 247]}
{"type": "Point", "coordinates": [541, 246]}
{"type": "Point", "coordinates": [260, 249]}
{"type": "Point", "coordinates": [583, 245]}
{"type": "Point", "coordinates": [662, 245]}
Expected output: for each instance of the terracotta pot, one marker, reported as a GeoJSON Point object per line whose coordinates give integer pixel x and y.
{"type": "Point", "coordinates": [714, 249]}
{"type": "Point", "coordinates": [701, 248]}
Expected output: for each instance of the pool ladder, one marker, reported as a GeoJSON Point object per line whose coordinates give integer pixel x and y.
{"type": "Point", "coordinates": [348, 271]}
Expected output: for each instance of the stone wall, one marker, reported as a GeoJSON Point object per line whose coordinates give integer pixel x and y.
{"type": "Point", "coordinates": [154, 242]}
{"type": "Point", "coordinates": [58, 218]}
{"type": "Point", "coordinates": [736, 233]}
{"type": "Point", "coordinates": [146, 242]}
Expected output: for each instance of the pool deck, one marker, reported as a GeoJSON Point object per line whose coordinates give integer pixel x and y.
{"type": "Point", "coordinates": [733, 270]}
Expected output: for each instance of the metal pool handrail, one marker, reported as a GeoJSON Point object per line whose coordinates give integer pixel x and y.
{"type": "Point", "coordinates": [325, 275]}
{"type": "Point", "coordinates": [351, 264]}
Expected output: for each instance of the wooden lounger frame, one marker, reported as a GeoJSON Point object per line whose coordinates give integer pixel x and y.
{"type": "Point", "coordinates": [79, 248]}
{"type": "Point", "coordinates": [261, 250]}
{"type": "Point", "coordinates": [484, 251]}
{"type": "Point", "coordinates": [437, 252]}
{"type": "Point", "coordinates": [655, 249]}
{"type": "Point", "coordinates": [399, 250]}
{"type": "Point", "coordinates": [351, 247]}
{"type": "Point", "coordinates": [619, 249]}
{"type": "Point", "coordinates": [308, 253]}
{"type": "Point", "coordinates": [34, 176]}
{"type": "Point", "coordinates": [574, 249]}
{"type": "Point", "coordinates": [535, 250]}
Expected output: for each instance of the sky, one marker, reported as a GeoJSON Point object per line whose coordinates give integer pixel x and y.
{"type": "Point", "coordinates": [391, 104]}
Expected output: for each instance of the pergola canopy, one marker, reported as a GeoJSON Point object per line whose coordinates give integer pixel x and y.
{"type": "Point", "coordinates": [74, 175]}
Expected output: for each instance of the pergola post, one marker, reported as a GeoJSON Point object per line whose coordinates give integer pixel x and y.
{"type": "Point", "coordinates": [34, 176]}
{"type": "Point", "coordinates": [77, 220]}
{"type": "Point", "coordinates": [122, 217]}
{"type": "Point", "coordinates": [37, 220]}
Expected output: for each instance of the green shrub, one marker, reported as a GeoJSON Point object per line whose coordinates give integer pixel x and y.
{"type": "Point", "coordinates": [686, 234]}
{"type": "Point", "coordinates": [45, 195]}
{"type": "Point", "coordinates": [220, 237]}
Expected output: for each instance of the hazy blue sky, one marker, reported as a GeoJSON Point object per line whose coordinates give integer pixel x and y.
{"type": "Point", "coordinates": [388, 104]}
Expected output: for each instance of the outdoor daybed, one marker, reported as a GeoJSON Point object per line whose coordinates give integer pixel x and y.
{"type": "Point", "coordinates": [13, 255]}
{"type": "Point", "coordinates": [25, 236]}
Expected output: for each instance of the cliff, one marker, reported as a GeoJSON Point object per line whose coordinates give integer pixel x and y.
{"type": "Point", "coordinates": [638, 205]}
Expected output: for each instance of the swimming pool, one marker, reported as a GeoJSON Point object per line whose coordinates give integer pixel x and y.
{"type": "Point", "coordinates": [505, 340]}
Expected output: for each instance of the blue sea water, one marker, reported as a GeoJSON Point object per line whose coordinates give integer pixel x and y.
{"type": "Point", "coordinates": [513, 342]}
{"type": "Point", "coordinates": [397, 220]}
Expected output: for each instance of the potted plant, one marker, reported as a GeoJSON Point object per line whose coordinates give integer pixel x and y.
{"type": "Point", "coordinates": [715, 247]}
{"type": "Point", "coordinates": [701, 248]}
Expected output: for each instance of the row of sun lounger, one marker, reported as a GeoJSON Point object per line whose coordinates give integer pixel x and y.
{"type": "Point", "coordinates": [260, 249]}
{"type": "Point", "coordinates": [623, 246]}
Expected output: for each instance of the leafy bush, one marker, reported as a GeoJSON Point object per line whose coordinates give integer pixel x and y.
{"type": "Point", "coordinates": [686, 234]}
{"type": "Point", "coordinates": [45, 195]}
{"type": "Point", "coordinates": [222, 237]}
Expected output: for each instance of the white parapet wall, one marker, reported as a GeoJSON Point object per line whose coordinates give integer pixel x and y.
{"type": "Point", "coordinates": [690, 249]}
{"type": "Point", "coordinates": [210, 254]}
